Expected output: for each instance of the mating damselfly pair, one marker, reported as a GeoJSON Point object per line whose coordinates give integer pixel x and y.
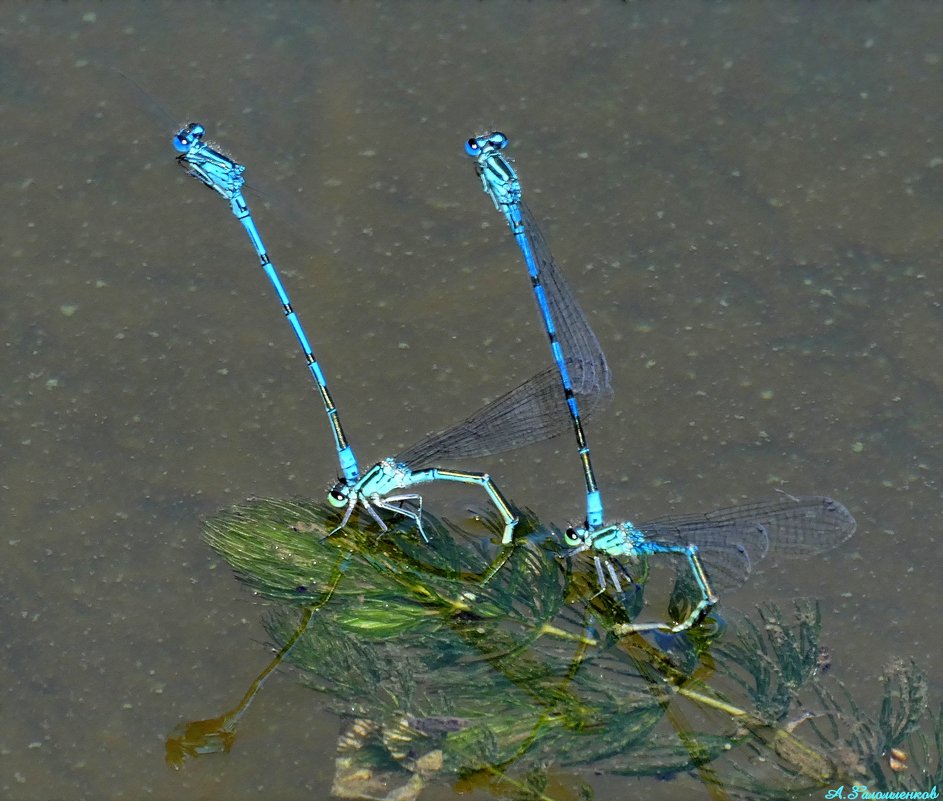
{"type": "Point", "coordinates": [721, 548]}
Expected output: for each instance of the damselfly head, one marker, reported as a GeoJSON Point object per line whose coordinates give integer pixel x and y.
{"type": "Point", "coordinates": [339, 494]}
{"type": "Point", "coordinates": [188, 137]}
{"type": "Point", "coordinates": [486, 143]}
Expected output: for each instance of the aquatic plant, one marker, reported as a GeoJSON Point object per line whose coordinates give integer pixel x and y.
{"type": "Point", "coordinates": [452, 660]}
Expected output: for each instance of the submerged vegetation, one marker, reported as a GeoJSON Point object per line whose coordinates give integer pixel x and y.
{"type": "Point", "coordinates": [451, 662]}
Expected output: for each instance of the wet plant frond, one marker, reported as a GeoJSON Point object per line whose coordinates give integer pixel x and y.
{"type": "Point", "coordinates": [456, 658]}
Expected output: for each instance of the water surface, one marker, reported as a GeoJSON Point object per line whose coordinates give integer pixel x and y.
{"type": "Point", "coordinates": [747, 198]}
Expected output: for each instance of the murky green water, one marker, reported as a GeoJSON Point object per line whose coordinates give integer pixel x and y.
{"type": "Point", "coordinates": [746, 196]}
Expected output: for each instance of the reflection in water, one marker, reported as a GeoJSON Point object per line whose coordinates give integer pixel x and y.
{"type": "Point", "coordinates": [216, 735]}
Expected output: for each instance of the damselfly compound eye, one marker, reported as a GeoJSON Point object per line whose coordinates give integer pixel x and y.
{"type": "Point", "coordinates": [572, 538]}
{"type": "Point", "coordinates": [338, 495]}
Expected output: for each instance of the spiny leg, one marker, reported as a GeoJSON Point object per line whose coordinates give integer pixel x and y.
{"type": "Point", "coordinates": [373, 513]}
{"type": "Point", "coordinates": [613, 576]}
{"type": "Point", "coordinates": [351, 503]}
{"type": "Point", "coordinates": [389, 500]}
